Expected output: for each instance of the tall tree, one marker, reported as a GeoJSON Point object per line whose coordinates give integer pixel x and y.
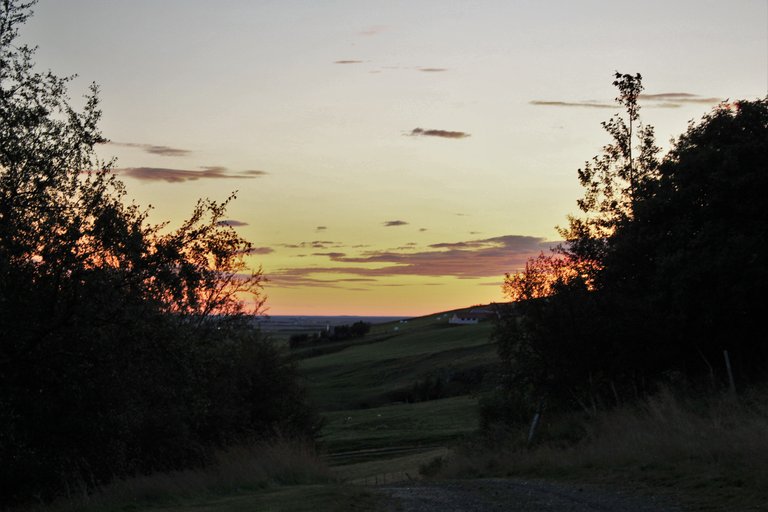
{"type": "Point", "coordinates": [613, 179]}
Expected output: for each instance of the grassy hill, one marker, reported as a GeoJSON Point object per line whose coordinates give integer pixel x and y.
{"type": "Point", "coordinates": [407, 388]}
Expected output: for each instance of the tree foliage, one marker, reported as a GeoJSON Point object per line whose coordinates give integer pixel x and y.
{"type": "Point", "coordinates": [613, 179]}
{"type": "Point", "coordinates": [666, 269]}
{"type": "Point", "coordinates": [124, 346]}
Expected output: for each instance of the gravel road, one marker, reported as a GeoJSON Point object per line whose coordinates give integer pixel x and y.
{"type": "Point", "coordinates": [490, 495]}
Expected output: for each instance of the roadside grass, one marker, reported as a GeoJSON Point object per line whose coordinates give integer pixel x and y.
{"type": "Point", "coordinates": [251, 470]}
{"type": "Point", "coordinates": [707, 454]}
{"type": "Point", "coordinates": [391, 470]}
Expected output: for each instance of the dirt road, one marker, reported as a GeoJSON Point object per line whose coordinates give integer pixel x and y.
{"type": "Point", "coordinates": [491, 495]}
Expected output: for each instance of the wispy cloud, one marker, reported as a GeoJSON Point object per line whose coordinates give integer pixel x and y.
{"type": "Point", "coordinates": [182, 175]}
{"type": "Point", "coordinates": [287, 279]}
{"type": "Point", "coordinates": [585, 104]}
{"type": "Point", "coordinates": [332, 255]}
{"type": "Point", "coordinates": [314, 244]}
{"type": "Point", "coordinates": [432, 70]}
{"type": "Point", "coordinates": [445, 134]}
{"type": "Point", "coordinates": [471, 259]}
{"type": "Point", "coordinates": [658, 100]}
{"type": "Point", "coordinates": [321, 228]}
{"type": "Point", "coordinates": [153, 149]}
{"type": "Point", "coordinates": [679, 97]}
{"type": "Point", "coordinates": [232, 223]}
{"type": "Point", "coordinates": [254, 173]}
{"type": "Point", "coordinates": [260, 250]}
{"type": "Point", "coordinates": [392, 223]}
{"type": "Point", "coordinates": [347, 61]}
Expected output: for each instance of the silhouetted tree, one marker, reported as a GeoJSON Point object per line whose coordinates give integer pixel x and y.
{"type": "Point", "coordinates": [124, 346]}
{"type": "Point", "coordinates": [667, 268]}
{"type": "Point", "coordinates": [613, 179]}
{"type": "Point", "coordinates": [696, 252]}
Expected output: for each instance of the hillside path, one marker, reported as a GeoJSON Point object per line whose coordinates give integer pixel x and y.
{"type": "Point", "coordinates": [512, 495]}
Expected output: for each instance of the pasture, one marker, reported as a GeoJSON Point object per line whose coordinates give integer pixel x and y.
{"type": "Point", "coordinates": [365, 391]}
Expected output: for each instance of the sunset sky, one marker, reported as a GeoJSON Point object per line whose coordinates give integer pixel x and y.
{"type": "Point", "coordinates": [390, 157]}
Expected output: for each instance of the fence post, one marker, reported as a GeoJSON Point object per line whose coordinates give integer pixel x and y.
{"type": "Point", "coordinates": [731, 382]}
{"type": "Point", "coordinates": [534, 423]}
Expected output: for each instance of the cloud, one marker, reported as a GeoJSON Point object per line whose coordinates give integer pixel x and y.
{"type": "Point", "coordinates": [586, 104]}
{"type": "Point", "coordinates": [182, 175]}
{"type": "Point", "coordinates": [472, 259]}
{"type": "Point", "coordinates": [314, 244]}
{"type": "Point", "coordinates": [432, 70]}
{"type": "Point", "coordinates": [321, 228]}
{"type": "Point", "coordinates": [422, 230]}
{"type": "Point", "coordinates": [232, 223]}
{"type": "Point", "coordinates": [445, 134]}
{"type": "Point", "coordinates": [153, 149]}
{"type": "Point", "coordinates": [348, 61]}
{"type": "Point", "coordinates": [679, 97]}
{"type": "Point", "coordinates": [284, 279]}
{"type": "Point", "coordinates": [254, 173]}
{"type": "Point", "coordinates": [332, 255]}
{"type": "Point", "coordinates": [260, 250]}
{"type": "Point", "coordinates": [661, 100]}
{"type": "Point", "coordinates": [391, 223]}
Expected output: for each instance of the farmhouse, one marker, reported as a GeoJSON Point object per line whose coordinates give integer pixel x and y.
{"type": "Point", "coordinates": [470, 317]}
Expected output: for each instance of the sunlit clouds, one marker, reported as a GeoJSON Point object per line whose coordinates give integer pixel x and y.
{"type": "Point", "coordinates": [472, 259]}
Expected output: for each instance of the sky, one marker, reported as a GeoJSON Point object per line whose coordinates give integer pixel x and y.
{"type": "Point", "coordinates": [389, 157]}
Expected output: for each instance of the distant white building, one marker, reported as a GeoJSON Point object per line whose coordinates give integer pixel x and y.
{"type": "Point", "coordinates": [463, 319]}
{"type": "Point", "coordinates": [468, 317]}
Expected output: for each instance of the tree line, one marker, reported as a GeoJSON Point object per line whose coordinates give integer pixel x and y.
{"type": "Point", "coordinates": [661, 277]}
{"type": "Point", "coordinates": [343, 332]}
{"type": "Point", "coordinates": [125, 346]}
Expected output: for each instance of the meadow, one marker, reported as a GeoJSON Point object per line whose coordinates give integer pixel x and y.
{"type": "Point", "coordinates": [365, 389]}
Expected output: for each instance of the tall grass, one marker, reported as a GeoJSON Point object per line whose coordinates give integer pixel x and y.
{"type": "Point", "coordinates": [241, 468]}
{"type": "Point", "coordinates": [711, 451]}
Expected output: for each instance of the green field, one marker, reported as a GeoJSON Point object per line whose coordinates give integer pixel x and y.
{"type": "Point", "coordinates": [362, 387]}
